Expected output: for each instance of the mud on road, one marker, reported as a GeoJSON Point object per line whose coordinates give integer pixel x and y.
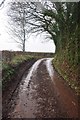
{"type": "Point", "coordinates": [42, 93]}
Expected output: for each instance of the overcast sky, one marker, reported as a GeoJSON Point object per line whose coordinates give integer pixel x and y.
{"type": "Point", "coordinates": [33, 44]}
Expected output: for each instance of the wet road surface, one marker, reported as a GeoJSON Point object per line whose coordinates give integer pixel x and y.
{"type": "Point", "coordinates": [43, 94]}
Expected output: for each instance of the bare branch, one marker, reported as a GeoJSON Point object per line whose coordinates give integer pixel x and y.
{"type": "Point", "coordinates": [2, 3]}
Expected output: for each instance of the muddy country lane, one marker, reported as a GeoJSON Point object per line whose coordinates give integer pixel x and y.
{"type": "Point", "coordinates": [43, 94]}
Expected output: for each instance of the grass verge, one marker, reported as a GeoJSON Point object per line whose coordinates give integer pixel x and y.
{"type": "Point", "coordinates": [67, 71]}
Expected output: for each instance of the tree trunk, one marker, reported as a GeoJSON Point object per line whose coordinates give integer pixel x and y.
{"type": "Point", "coordinates": [24, 42]}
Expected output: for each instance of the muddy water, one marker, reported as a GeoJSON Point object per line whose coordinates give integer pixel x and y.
{"type": "Point", "coordinates": [39, 94]}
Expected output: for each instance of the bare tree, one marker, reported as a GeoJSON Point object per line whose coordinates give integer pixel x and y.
{"type": "Point", "coordinates": [17, 14]}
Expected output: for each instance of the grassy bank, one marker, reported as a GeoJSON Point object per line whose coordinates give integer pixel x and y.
{"type": "Point", "coordinates": [67, 70]}
{"type": "Point", "coordinates": [9, 69]}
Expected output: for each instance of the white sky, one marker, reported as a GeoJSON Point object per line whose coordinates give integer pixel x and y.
{"type": "Point", "coordinates": [33, 44]}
